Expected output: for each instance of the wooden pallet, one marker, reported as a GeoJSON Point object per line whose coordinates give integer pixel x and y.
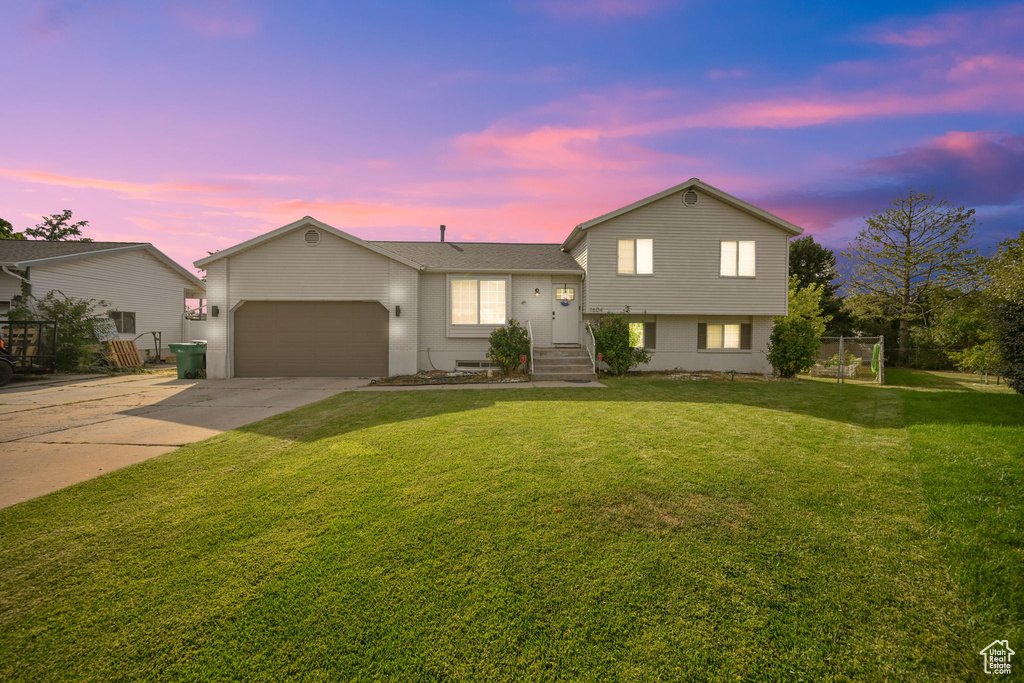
{"type": "Point", "coordinates": [22, 342]}
{"type": "Point", "coordinates": [124, 353]}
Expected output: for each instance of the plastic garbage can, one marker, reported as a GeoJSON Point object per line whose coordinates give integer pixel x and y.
{"type": "Point", "coordinates": [190, 359]}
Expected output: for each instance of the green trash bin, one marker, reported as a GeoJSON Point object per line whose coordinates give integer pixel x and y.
{"type": "Point", "coordinates": [190, 359]}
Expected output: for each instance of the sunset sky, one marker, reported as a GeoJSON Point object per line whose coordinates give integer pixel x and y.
{"type": "Point", "coordinates": [196, 124]}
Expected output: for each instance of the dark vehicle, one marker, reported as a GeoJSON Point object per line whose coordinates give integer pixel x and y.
{"type": "Point", "coordinates": [27, 347]}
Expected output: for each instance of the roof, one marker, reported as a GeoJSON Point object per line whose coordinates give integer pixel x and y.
{"type": "Point", "coordinates": [695, 183]}
{"type": "Point", "coordinates": [16, 251]}
{"type": "Point", "coordinates": [28, 253]}
{"type": "Point", "coordinates": [485, 256]}
{"type": "Point", "coordinates": [305, 221]}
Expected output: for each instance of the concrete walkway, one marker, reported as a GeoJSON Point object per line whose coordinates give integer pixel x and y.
{"type": "Point", "coordinates": [53, 435]}
{"type": "Point", "coordinates": [554, 384]}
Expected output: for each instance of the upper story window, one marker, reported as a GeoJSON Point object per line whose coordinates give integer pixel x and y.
{"type": "Point", "coordinates": [737, 259]}
{"type": "Point", "coordinates": [636, 257]}
{"type": "Point", "coordinates": [478, 302]}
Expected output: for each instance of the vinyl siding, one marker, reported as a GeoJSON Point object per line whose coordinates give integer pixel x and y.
{"type": "Point", "coordinates": [287, 268]}
{"type": "Point", "coordinates": [132, 281]}
{"type": "Point", "coordinates": [10, 287]}
{"type": "Point", "coordinates": [686, 276]}
{"type": "Point", "coordinates": [440, 351]}
{"type": "Point", "coordinates": [579, 252]}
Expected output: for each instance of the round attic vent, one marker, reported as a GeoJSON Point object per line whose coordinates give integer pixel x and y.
{"type": "Point", "coordinates": [690, 198]}
{"type": "Point", "coordinates": [312, 237]}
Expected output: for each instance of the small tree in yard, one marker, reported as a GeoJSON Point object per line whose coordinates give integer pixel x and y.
{"type": "Point", "coordinates": [508, 344]}
{"type": "Point", "coordinates": [77, 348]}
{"type": "Point", "coordinates": [611, 335]}
{"type": "Point", "coordinates": [796, 337]}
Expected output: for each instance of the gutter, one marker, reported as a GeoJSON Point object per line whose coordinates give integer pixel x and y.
{"type": "Point", "coordinates": [7, 270]}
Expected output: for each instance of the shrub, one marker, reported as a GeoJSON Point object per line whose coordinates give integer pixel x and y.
{"type": "Point", "coordinates": [611, 335]}
{"type": "Point", "coordinates": [793, 346]}
{"type": "Point", "coordinates": [77, 348]}
{"type": "Point", "coordinates": [508, 344]}
{"type": "Point", "coordinates": [1009, 337]}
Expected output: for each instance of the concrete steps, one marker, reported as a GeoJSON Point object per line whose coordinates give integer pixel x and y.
{"type": "Point", "coordinates": [562, 363]}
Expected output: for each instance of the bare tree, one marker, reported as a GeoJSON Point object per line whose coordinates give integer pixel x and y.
{"type": "Point", "coordinates": [910, 250]}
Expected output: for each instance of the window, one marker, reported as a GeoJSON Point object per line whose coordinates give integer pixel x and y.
{"type": "Point", "coordinates": [478, 302]}
{"type": "Point", "coordinates": [123, 321]}
{"type": "Point", "coordinates": [642, 335]}
{"type": "Point", "coordinates": [723, 336]}
{"type": "Point", "coordinates": [737, 259]}
{"type": "Point", "coordinates": [636, 257]}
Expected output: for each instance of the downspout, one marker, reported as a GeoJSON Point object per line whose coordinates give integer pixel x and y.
{"type": "Point", "coordinates": [8, 271]}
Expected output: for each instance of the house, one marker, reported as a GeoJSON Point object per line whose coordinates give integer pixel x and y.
{"type": "Point", "coordinates": [701, 273]}
{"type": "Point", "coordinates": [144, 290]}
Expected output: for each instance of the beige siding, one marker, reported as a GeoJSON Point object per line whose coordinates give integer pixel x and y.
{"type": "Point", "coordinates": [579, 252]}
{"type": "Point", "coordinates": [10, 287]}
{"type": "Point", "coordinates": [439, 350]}
{"type": "Point", "coordinates": [132, 281]}
{"type": "Point", "coordinates": [677, 344]}
{"type": "Point", "coordinates": [686, 262]}
{"type": "Point", "coordinates": [288, 268]}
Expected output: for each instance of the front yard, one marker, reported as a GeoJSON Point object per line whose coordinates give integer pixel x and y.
{"type": "Point", "coordinates": [657, 529]}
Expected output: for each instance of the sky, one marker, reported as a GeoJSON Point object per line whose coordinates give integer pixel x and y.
{"type": "Point", "coordinates": [197, 124]}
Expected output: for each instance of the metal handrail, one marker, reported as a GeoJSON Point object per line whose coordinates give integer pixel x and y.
{"type": "Point", "coordinates": [591, 345]}
{"type": "Point", "coordinates": [529, 331]}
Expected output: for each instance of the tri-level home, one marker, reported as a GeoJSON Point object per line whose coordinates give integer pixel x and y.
{"type": "Point", "coordinates": [700, 273]}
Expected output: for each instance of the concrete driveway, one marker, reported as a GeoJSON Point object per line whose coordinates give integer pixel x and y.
{"type": "Point", "coordinates": [55, 435]}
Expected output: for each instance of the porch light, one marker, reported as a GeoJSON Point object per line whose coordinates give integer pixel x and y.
{"type": "Point", "coordinates": [536, 291]}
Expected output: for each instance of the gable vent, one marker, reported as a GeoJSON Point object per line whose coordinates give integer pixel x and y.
{"type": "Point", "coordinates": [690, 198]}
{"type": "Point", "coordinates": [312, 237]}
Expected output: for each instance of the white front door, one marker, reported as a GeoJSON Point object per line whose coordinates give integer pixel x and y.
{"type": "Point", "coordinates": [565, 325]}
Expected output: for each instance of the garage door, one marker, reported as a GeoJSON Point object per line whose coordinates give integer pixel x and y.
{"type": "Point", "coordinates": [311, 339]}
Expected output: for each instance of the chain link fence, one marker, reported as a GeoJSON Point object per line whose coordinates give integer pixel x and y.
{"type": "Point", "coordinates": [851, 359]}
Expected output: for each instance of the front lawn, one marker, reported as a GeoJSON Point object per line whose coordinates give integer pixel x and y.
{"type": "Point", "coordinates": [657, 529]}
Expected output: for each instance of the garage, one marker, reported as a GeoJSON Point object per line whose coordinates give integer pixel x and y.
{"type": "Point", "coordinates": [311, 339]}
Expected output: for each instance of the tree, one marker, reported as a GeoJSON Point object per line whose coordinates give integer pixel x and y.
{"type": "Point", "coordinates": [796, 336]}
{"type": "Point", "coordinates": [905, 253]}
{"type": "Point", "coordinates": [1006, 273]}
{"type": "Point", "coordinates": [77, 348]}
{"type": "Point", "coordinates": [813, 264]}
{"type": "Point", "coordinates": [59, 228]}
{"type": "Point", "coordinates": [7, 231]}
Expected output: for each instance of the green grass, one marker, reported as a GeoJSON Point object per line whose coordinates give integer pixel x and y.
{"type": "Point", "coordinates": [657, 529]}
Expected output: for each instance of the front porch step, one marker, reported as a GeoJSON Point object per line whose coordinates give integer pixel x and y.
{"type": "Point", "coordinates": [559, 352]}
{"type": "Point", "coordinates": [564, 376]}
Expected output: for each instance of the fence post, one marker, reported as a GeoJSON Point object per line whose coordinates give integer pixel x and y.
{"type": "Point", "coordinates": [839, 368]}
{"type": "Point", "coordinates": [881, 359]}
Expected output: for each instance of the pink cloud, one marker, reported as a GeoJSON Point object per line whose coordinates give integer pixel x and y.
{"type": "Point", "coordinates": [977, 27]}
{"type": "Point", "coordinates": [215, 18]}
{"type": "Point", "coordinates": [599, 9]}
{"type": "Point", "coordinates": [140, 190]}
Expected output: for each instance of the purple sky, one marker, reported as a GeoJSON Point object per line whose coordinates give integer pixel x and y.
{"type": "Point", "coordinates": [196, 124]}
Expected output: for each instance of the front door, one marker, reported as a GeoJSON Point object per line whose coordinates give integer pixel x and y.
{"type": "Point", "coordinates": [565, 325]}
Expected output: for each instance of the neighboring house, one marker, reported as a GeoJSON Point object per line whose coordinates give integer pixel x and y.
{"type": "Point", "coordinates": [145, 290]}
{"type": "Point", "coordinates": [703, 271]}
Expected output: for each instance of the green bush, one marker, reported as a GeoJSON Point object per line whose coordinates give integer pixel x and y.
{"type": "Point", "coordinates": [77, 348]}
{"type": "Point", "coordinates": [611, 335]}
{"type": "Point", "coordinates": [793, 346]}
{"type": "Point", "coordinates": [508, 344]}
{"type": "Point", "coordinates": [1009, 337]}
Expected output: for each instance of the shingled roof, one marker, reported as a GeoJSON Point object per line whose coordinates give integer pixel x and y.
{"type": "Point", "coordinates": [20, 251]}
{"type": "Point", "coordinates": [469, 256]}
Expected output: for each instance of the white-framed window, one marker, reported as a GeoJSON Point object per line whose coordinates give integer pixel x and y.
{"type": "Point", "coordinates": [724, 336]}
{"type": "Point", "coordinates": [636, 257]}
{"type": "Point", "coordinates": [738, 258]}
{"type": "Point", "coordinates": [478, 302]}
